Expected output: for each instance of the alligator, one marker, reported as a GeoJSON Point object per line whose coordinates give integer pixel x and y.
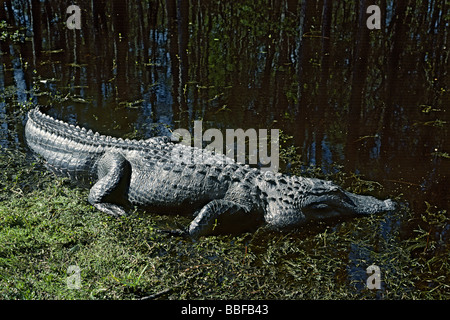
{"type": "Point", "coordinates": [166, 176]}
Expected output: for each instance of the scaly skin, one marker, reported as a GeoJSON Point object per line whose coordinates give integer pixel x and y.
{"type": "Point", "coordinates": [168, 177]}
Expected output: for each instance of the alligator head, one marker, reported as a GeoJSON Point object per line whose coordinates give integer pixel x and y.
{"type": "Point", "coordinates": [296, 200]}
{"type": "Point", "coordinates": [326, 199]}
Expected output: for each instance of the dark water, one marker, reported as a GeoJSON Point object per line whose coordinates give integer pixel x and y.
{"type": "Point", "coordinates": [374, 102]}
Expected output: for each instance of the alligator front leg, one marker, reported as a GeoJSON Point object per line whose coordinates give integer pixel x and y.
{"type": "Point", "coordinates": [222, 216]}
{"type": "Point", "coordinates": [110, 190]}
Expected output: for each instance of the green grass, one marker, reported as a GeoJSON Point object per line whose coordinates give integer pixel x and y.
{"type": "Point", "coordinates": [46, 225]}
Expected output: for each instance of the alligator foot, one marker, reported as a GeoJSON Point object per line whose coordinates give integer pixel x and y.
{"type": "Point", "coordinates": [113, 178]}
{"type": "Point", "coordinates": [111, 209]}
{"type": "Point", "coordinates": [222, 216]}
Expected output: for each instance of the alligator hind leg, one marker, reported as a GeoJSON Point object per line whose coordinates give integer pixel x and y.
{"type": "Point", "coordinates": [222, 216]}
{"type": "Point", "coordinates": [111, 188]}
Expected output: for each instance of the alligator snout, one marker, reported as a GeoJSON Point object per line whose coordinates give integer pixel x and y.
{"type": "Point", "coordinates": [365, 205]}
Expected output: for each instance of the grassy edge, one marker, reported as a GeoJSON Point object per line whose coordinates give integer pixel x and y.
{"type": "Point", "coordinates": [46, 225]}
